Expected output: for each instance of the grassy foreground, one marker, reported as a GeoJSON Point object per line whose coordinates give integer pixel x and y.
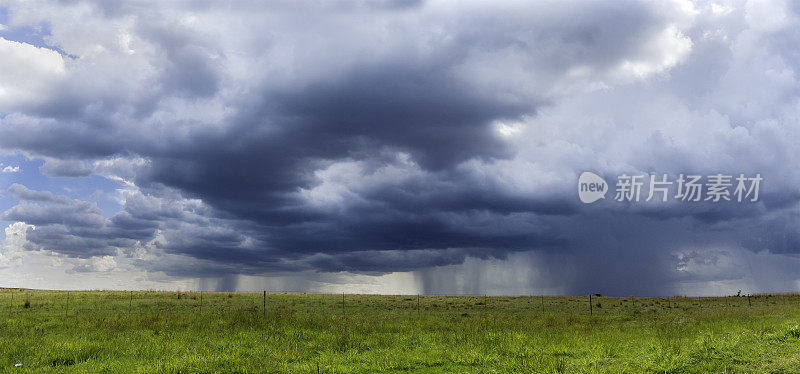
{"type": "Point", "coordinates": [146, 332]}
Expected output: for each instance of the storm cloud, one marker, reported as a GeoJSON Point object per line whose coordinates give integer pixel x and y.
{"type": "Point", "coordinates": [396, 136]}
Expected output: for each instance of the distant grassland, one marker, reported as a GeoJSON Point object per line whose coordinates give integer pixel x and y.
{"type": "Point", "coordinates": [152, 332]}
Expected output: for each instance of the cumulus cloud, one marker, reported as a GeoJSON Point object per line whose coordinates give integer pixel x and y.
{"type": "Point", "coordinates": [97, 264]}
{"type": "Point", "coordinates": [24, 193]}
{"type": "Point", "coordinates": [65, 168]}
{"type": "Point", "coordinates": [28, 72]}
{"type": "Point", "coordinates": [14, 245]}
{"type": "Point", "coordinates": [398, 136]}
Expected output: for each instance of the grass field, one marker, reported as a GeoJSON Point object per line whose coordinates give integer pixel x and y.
{"type": "Point", "coordinates": [101, 331]}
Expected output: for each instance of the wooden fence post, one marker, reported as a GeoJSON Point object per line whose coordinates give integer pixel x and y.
{"type": "Point", "coordinates": [590, 305]}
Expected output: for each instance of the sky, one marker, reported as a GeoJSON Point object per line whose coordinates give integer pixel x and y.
{"type": "Point", "coordinates": [399, 146]}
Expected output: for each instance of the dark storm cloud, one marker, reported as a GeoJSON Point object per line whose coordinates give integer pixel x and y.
{"type": "Point", "coordinates": [420, 109]}
{"type": "Point", "coordinates": [380, 136]}
{"type": "Point", "coordinates": [403, 260]}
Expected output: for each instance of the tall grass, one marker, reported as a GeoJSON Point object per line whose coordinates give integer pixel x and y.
{"type": "Point", "coordinates": [147, 331]}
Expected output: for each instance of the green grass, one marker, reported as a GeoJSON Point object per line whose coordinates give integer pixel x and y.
{"type": "Point", "coordinates": [101, 331]}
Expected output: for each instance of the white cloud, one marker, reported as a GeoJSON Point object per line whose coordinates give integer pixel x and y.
{"type": "Point", "coordinates": [11, 169]}
{"type": "Point", "coordinates": [27, 73]}
{"type": "Point", "coordinates": [96, 264]}
{"type": "Point", "coordinates": [13, 246]}
{"type": "Point", "coordinates": [666, 50]}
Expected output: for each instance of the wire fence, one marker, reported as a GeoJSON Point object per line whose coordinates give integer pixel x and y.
{"type": "Point", "coordinates": [80, 302]}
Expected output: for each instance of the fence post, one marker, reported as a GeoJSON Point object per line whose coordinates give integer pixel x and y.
{"type": "Point", "coordinates": [590, 305]}
{"type": "Point", "coordinates": [748, 301]}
